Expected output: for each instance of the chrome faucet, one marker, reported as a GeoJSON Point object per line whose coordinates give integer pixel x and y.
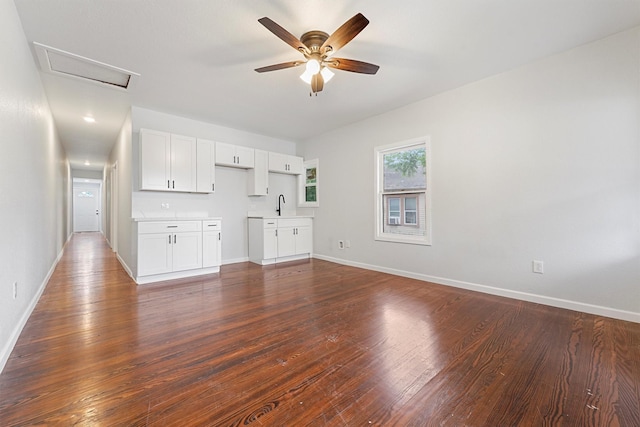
{"type": "Point", "coordinates": [279, 210]}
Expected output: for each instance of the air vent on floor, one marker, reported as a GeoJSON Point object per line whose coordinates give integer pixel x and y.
{"type": "Point", "coordinates": [58, 61]}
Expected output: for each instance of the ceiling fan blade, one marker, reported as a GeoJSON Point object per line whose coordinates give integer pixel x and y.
{"type": "Point", "coordinates": [352, 65]}
{"type": "Point", "coordinates": [317, 83]}
{"type": "Point", "coordinates": [284, 35]}
{"type": "Point", "coordinates": [344, 34]}
{"type": "Point", "coordinates": [281, 66]}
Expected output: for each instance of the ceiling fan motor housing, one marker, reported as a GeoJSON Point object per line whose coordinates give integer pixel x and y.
{"type": "Point", "coordinates": [314, 39]}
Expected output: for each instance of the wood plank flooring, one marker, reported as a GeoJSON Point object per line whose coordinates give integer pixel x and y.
{"type": "Point", "coordinates": [308, 344]}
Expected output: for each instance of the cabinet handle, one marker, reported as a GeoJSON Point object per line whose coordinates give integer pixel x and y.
{"type": "Point", "coordinates": [174, 184]}
{"type": "Point", "coordinates": [234, 159]}
{"type": "Point", "coordinates": [267, 190]}
{"type": "Point", "coordinates": [172, 226]}
{"type": "Point", "coordinates": [276, 232]}
{"type": "Point", "coordinates": [213, 187]}
{"type": "Point", "coordinates": [169, 238]}
{"type": "Point", "coordinates": [238, 159]}
{"type": "Point", "coordinates": [174, 238]}
{"type": "Point", "coordinates": [168, 183]}
{"type": "Point", "coordinates": [219, 238]}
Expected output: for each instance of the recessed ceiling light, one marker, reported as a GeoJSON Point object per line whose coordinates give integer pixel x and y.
{"type": "Point", "coordinates": [86, 163]}
{"type": "Point", "coordinates": [89, 119]}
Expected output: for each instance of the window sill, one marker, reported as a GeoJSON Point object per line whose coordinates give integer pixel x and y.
{"type": "Point", "coordinates": [404, 239]}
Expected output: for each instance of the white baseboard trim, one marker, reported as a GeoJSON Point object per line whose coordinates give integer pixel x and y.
{"type": "Point", "coordinates": [523, 296]}
{"type": "Point", "coordinates": [125, 266]}
{"type": "Point", "coordinates": [13, 339]}
{"type": "Point", "coordinates": [143, 280]}
{"type": "Point", "coordinates": [234, 260]}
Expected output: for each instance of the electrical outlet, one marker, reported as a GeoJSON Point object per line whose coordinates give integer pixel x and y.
{"type": "Point", "coordinates": [15, 290]}
{"type": "Point", "coordinates": [538, 266]}
{"type": "Point", "coordinates": [347, 244]}
{"type": "Point", "coordinates": [340, 244]}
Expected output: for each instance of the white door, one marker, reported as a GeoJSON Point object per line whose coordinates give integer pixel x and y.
{"type": "Point", "coordinates": [86, 208]}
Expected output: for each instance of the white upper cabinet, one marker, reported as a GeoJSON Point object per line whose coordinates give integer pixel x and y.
{"type": "Point", "coordinates": [284, 163]}
{"type": "Point", "coordinates": [258, 180]}
{"type": "Point", "coordinates": [183, 163]}
{"type": "Point", "coordinates": [155, 160]}
{"type": "Point", "coordinates": [234, 156]}
{"type": "Point", "coordinates": [167, 161]}
{"type": "Point", "coordinates": [206, 166]}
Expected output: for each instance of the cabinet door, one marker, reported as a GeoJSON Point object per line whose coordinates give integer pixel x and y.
{"type": "Point", "coordinates": [187, 251]}
{"type": "Point", "coordinates": [296, 165]}
{"type": "Point", "coordinates": [205, 166]}
{"type": "Point", "coordinates": [225, 154]}
{"type": "Point", "coordinates": [211, 246]}
{"type": "Point", "coordinates": [270, 243]}
{"type": "Point", "coordinates": [183, 163]}
{"type": "Point", "coordinates": [304, 240]}
{"type": "Point", "coordinates": [244, 157]}
{"type": "Point", "coordinates": [154, 253]}
{"type": "Point", "coordinates": [286, 241]}
{"type": "Point", "coordinates": [284, 163]}
{"type": "Point", "coordinates": [258, 181]}
{"type": "Point", "coordinates": [277, 162]}
{"type": "Point", "coordinates": [155, 160]}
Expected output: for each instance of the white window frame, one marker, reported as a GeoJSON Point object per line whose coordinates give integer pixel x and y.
{"type": "Point", "coordinates": [379, 153]}
{"type": "Point", "coordinates": [302, 185]}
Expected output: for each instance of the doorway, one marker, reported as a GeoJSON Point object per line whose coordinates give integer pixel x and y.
{"type": "Point", "coordinates": [87, 204]}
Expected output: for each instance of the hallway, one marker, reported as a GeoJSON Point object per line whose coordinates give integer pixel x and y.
{"type": "Point", "coordinates": [307, 343]}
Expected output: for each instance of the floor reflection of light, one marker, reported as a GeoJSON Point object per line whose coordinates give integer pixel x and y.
{"type": "Point", "coordinates": [410, 349]}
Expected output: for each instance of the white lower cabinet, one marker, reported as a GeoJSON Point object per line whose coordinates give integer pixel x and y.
{"type": "Point", "coordinates": [277, 240]}
{"type": "Point", "coordinates": [174, 249]}
{"type": "Point", "coordinates": [211, 243]}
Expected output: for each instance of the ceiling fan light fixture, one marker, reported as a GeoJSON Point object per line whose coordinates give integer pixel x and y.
{"type": "Point", "coordinates": [313, 66]}
{"type": "Point", "coordinates": [327, 74]}
{"type": "Point", "coordinates": [306, 77]}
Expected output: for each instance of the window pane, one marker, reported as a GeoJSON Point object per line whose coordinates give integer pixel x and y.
{"type": "Point", "coordinates": [405, 170]}
{"type": "Point", "coordinates": [410, 218]}
{"type": "Point", "coordinates": [410, 203]}
{"type": "Point", "coordinates": [394, 204]}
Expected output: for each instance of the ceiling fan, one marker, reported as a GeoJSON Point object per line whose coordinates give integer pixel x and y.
{"type": "Point", "coordinates": [318, 48]}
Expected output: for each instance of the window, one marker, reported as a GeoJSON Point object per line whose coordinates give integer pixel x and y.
{"type": "Point", "coordinates": [308, 185]}
{"type": "Point", "coordinates": [403, 192]}
{"type": "Point", "coordinates": [402, 210]}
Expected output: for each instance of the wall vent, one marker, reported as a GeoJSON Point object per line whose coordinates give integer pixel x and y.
{"type": "Point", "coordinates": [56, 61]}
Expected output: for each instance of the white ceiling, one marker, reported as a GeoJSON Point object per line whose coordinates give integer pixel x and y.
{"type": "Point", "coordinates": [197, 58]}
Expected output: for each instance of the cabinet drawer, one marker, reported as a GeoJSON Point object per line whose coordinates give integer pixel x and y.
{"type": "Point", "coordinates": [212, 225]}
{"type": "Point", "coordinates": [169, 226]}
{"type": "Point", "coordinates": [270, 223]}
{"type": "Point", "coordinates": [294, 222]}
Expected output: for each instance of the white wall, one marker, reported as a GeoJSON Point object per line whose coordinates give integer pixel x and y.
{"type": "Point", "coordinates": [541, 162]}
{"type": "Point", "coordinates": [35, 199]}
{"type": "Point", "coordinates": [230, 201]}
{"type": "Point", "coordinates": [121, 155]}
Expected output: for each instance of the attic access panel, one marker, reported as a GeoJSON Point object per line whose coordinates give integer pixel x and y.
{"type": "Point", "coordinates": [56, 61]}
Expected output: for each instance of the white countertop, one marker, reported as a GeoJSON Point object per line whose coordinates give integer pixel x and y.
{"type": "Point", "coordinates": [269, 216]}
{"type": "Point", "coordinates": [175, 218]}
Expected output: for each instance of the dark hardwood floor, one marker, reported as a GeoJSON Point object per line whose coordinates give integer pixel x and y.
{"type": "Point", "coordinates": [308, 343]}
